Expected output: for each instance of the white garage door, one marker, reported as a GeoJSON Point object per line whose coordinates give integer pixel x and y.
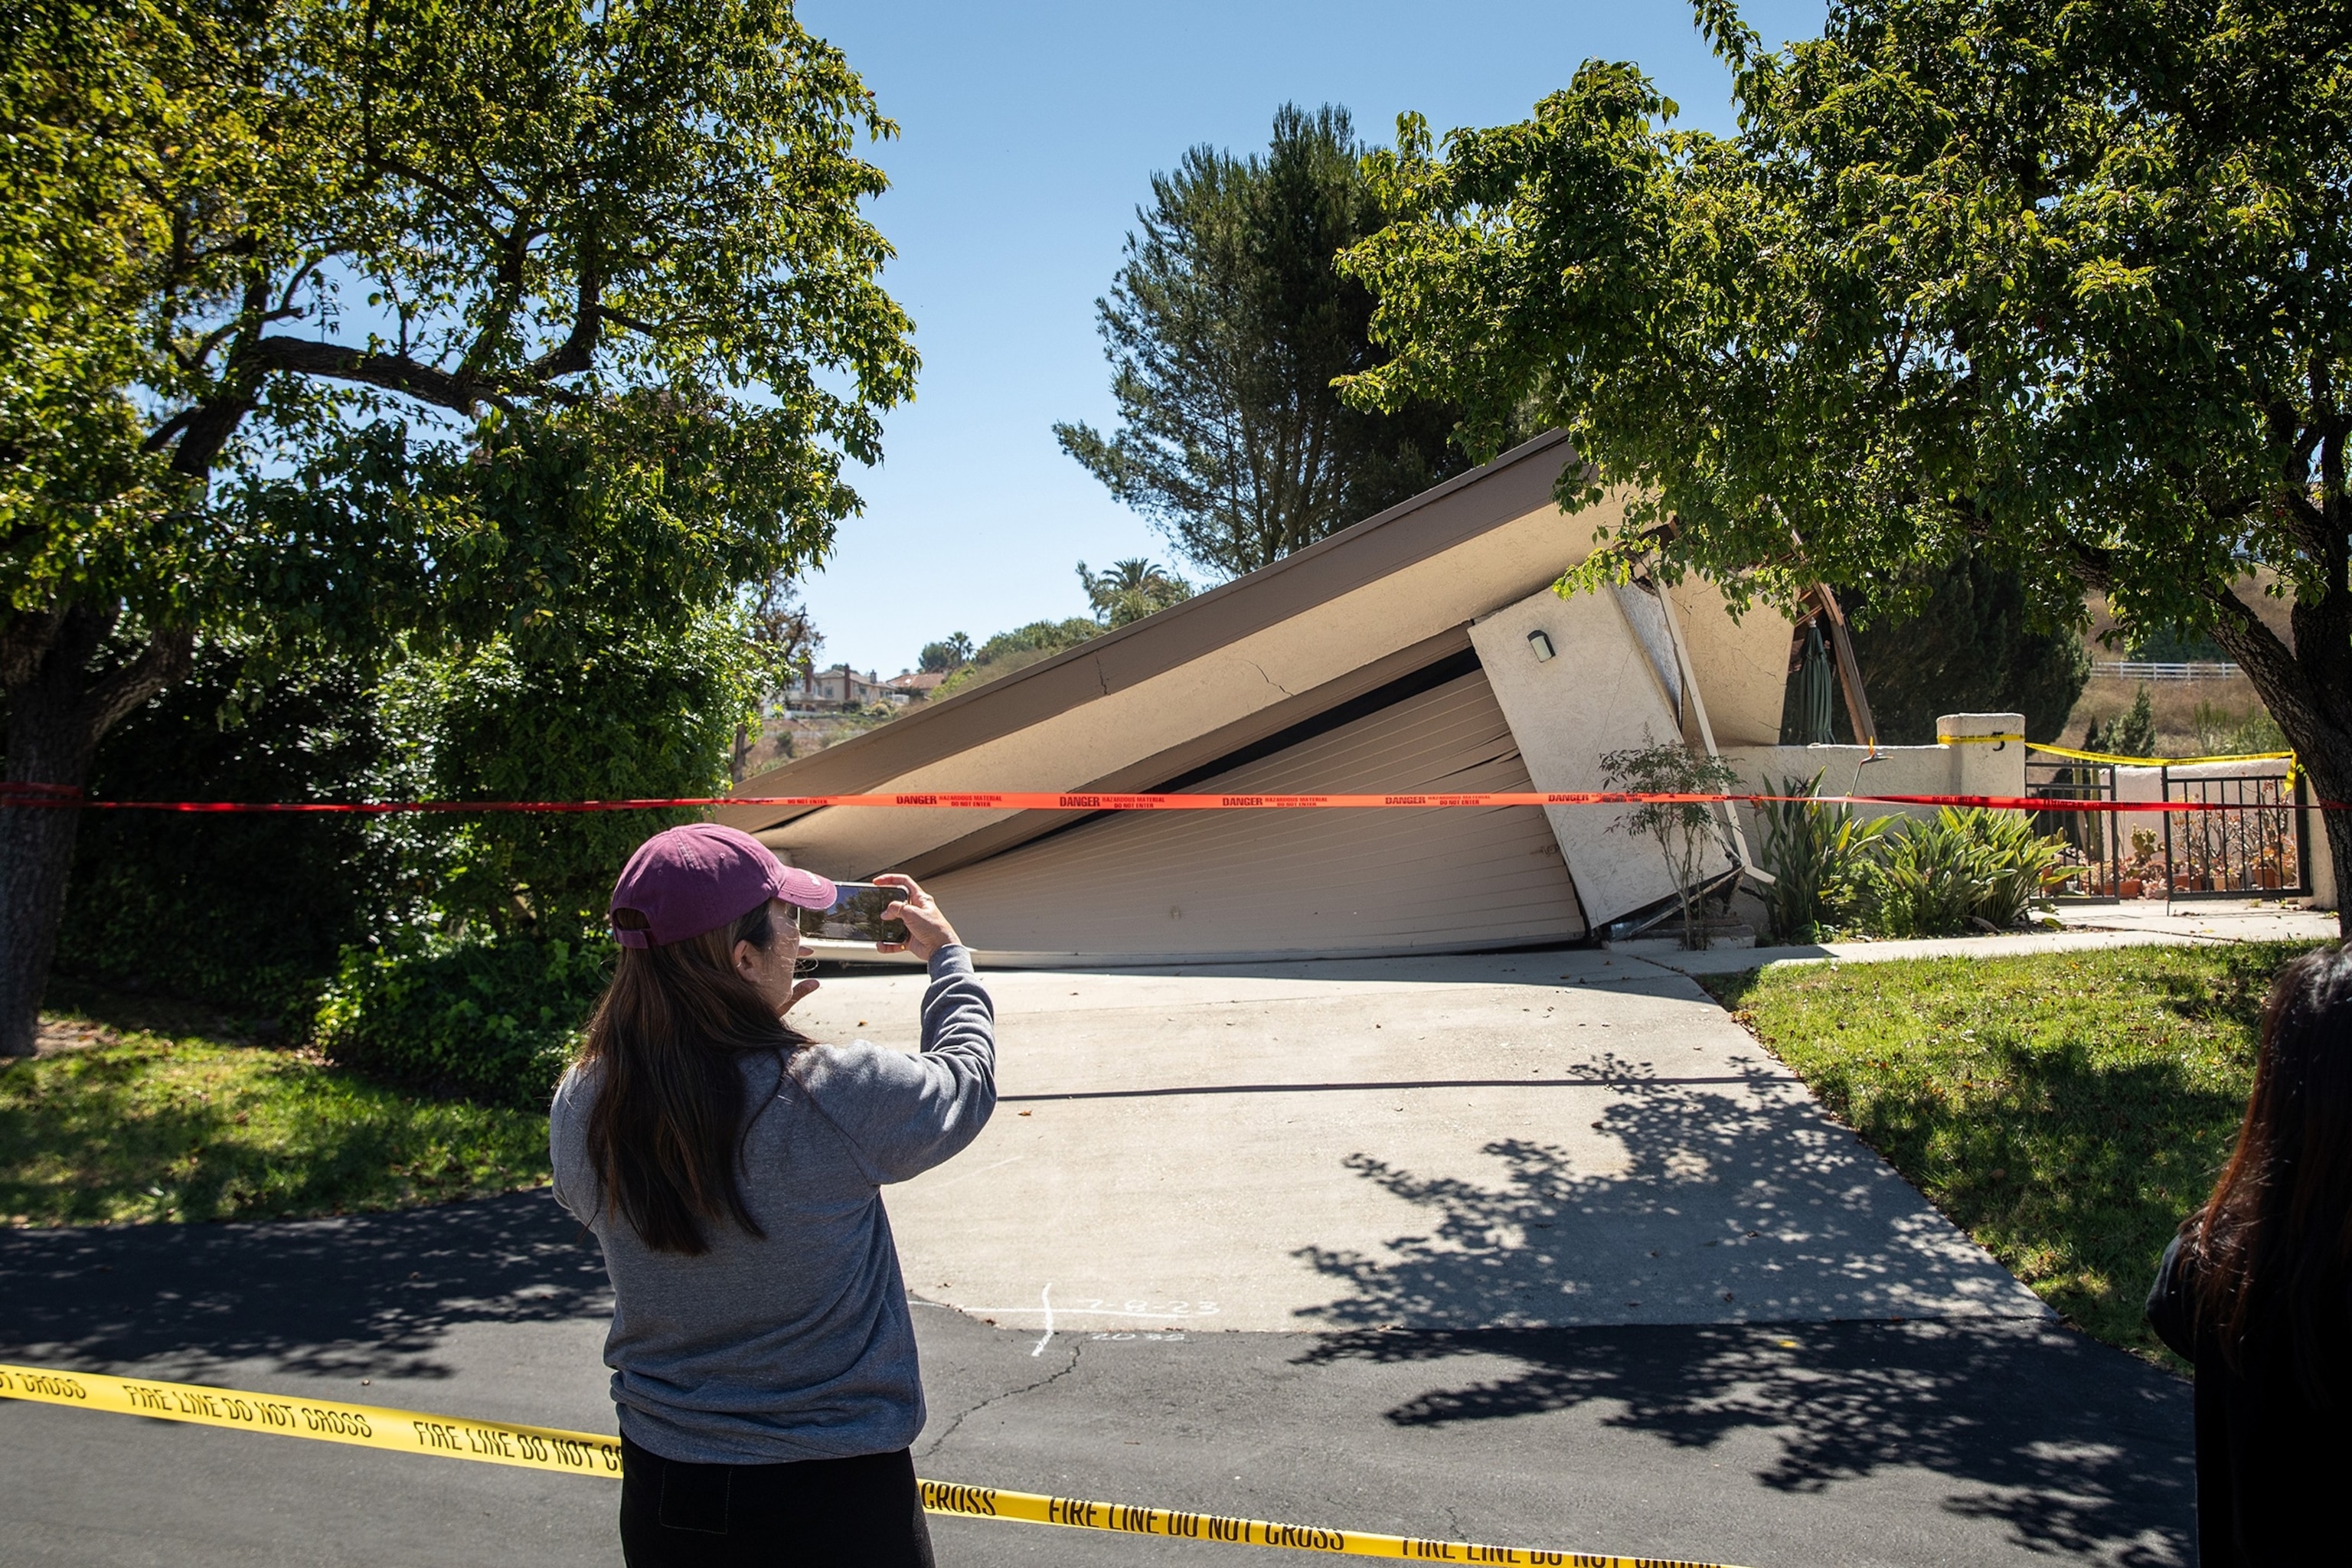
{"type": "Point", "coordinates": [1140, 887]}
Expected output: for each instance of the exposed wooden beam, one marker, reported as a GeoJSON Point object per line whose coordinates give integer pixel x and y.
{"type": "Point", "coordinates": [1857, 701]}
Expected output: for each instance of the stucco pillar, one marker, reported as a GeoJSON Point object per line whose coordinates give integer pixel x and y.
{"type": "Point", "coordinates": [2321, 873]}
{"type": "Point", "coordinates": [1979, 765]}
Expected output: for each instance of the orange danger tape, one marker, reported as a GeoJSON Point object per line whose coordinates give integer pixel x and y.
{"type": "Point", "coordinates": [46, 796]}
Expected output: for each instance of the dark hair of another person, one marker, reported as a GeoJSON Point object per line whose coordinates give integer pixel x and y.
{"type": "Point", "coordinates": [2274, 1244]}
{"type": "Point", "coordinates": [665, 1136]}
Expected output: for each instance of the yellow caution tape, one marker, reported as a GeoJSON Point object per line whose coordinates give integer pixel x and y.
{"type": "Point", "coordinates": [587, 1454]}
{"type": "Point", "coordinates": [2069, 752]}
{"type": "Point", "coordinates": [2111, 757]}
{"type": "Point", "coordinates": [2158, 761]}
{"type": "Point", "coordinates": [322, 1420]}
{"type": "Point", "coordinates": [1128, 1518]}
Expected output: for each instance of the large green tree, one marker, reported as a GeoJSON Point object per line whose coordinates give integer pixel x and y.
{"type": "Point", "coordinates": [2067, 286]}
{"type": "Point", "coordinates": [346, 324]}
{"type": "Point", "coordinates": [1225, 328]}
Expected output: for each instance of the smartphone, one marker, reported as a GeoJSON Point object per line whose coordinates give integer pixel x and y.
{"type": "Point", "coordinates": [856, 915]}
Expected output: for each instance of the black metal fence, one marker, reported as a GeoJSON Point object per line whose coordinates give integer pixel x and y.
{"type": "Point", "coordinates": [2256, 845]}
{"type": "Point", "coordinates": [2098, 838]}
{"type": "Point", "coordinates": [2259, 847]}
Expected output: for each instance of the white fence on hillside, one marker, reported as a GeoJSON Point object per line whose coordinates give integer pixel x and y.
{"type": "Point", "coordinates": [2133, 669]}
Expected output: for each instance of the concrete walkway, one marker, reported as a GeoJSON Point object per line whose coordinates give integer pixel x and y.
{"type": "Point", "coordinates": [1515, 1141]}
{"type": "Point", "coordinates": [2081, 928]}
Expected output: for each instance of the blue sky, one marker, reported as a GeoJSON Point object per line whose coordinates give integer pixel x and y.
{"type": "Point", "coordinates": [1028, 135]}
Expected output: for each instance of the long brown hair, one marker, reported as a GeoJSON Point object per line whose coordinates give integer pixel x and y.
{"type": "Point", "coordinates": [665, 1135]}
{"type": "Point", "coordinates": [2274, 1244]}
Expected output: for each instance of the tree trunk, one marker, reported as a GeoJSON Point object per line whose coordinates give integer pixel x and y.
{"type": "Point", "coordinates": [2331, 779]}
{"type": "Point", "coordinates": [59, 705]}
{"type": "Point", "coordinates": [2308, 689]}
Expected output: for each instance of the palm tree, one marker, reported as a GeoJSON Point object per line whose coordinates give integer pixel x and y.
{"type": "Point", "coordinates": [1132, 589]}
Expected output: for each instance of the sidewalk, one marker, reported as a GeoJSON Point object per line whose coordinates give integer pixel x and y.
{"type": "Point", "coordinates": [2148, 922]}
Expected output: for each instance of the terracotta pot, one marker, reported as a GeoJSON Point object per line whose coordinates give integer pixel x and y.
{"type": "Point", "coordinates": [2268, 877]}
{"type": "Point", "coordinates": [2132, 886]}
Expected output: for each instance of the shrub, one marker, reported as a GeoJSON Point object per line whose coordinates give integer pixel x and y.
{"type": "Point", "coordinates": [494, 1019]}
{"type": "Point", "coordinates": [1813, 852]}
{"type": "Point", "coordinates": [645, 714]}
{"type": "Point", "coordinates": [2014, 866]}
{"type": "Point", "coordinates": [247, 912]}
{"type": "Point", "coordinates": [2222, 732]}
{"type": "Point", "coordinates": [1923, 882]}
{"type": "Point", "coordinates": [1899, 878]}
{"type": "Point", "coordinates": [1963, 640]}
{"type": "Point", "coordinates": [1937, 877]}
{"type": "Point", "coordinates": [2133, 733]}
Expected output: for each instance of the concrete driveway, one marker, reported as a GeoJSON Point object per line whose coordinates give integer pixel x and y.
{"type": "Point", "coordinates": [1515, 1141]}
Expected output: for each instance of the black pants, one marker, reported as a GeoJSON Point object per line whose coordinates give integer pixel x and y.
{"type": "Point", "coordinates": [819, 1513]}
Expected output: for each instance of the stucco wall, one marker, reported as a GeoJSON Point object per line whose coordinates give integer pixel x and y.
{"type": "Point", "coordinates": [1982, 768]}
{"type": "Point", "coordinates": [1742, 666]}
{"type": "Point", "coordinates": [1600, 692]}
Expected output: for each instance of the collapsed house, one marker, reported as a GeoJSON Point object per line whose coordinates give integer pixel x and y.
{"type": "Point", "coordinates": [1421, 651]}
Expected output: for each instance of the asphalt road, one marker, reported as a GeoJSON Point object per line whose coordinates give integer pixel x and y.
{"type": "Point", "coordinates": [1981, 1441]}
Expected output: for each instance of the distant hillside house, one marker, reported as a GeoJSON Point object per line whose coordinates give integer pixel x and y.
{"type": "Point", "coordinates": [1421, 651]}
{"type": "Point", "coordinates": [918, 682]}
{"type": "Point", "coordinates": [841, 687]}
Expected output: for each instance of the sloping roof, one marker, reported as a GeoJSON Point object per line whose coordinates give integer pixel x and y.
{"type": "Point", "coordinates": [1174, 691]}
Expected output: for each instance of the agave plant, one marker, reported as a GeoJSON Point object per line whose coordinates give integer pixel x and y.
{"type": "Point", "coordinates": [2015, 865]}
{"type": "Point", "coordinates": [1937, 877]}
{"type": "Point", "coordinates": [1814, 850]}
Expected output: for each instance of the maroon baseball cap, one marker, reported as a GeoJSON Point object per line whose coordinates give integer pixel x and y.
{"type": "Point", "coordinates": [691, 880]}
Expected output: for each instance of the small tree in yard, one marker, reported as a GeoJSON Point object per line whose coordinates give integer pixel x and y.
{"type": "Point", "coordinates": [950, 652]}
{"type": "Point", "coordinates": [1682, 830]}
{"type": "Point", "coordinates": [785, 643]}
{"type": "Point", "coordinates": [2063, 288]}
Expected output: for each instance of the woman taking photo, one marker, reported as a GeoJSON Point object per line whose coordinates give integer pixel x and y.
{"type": "Point", "coordinates": [762, 1355]}
{"type": "Point", "coordinates": [2256, 1291]}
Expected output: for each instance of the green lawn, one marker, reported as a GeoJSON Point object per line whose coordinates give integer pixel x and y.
{"type": "Point", "coordinates": [2066, 1109]}
{"type": "Point", "coordinates": [171, 1122]}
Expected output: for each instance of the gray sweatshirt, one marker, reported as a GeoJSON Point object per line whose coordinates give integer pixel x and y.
{"type": "Point", "coordinates": [798, 1346]}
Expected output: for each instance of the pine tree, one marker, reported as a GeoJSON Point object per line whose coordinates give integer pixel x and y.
{"type": "Point", "coordinates": [1224, 329]}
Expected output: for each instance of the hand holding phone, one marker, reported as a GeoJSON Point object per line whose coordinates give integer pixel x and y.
{"type": "Point", "coordinates": [858, 913]}
{"type": "Point", "coordinates": [890, 911]}
{"type": "Point", "coordinates": [926, 929]}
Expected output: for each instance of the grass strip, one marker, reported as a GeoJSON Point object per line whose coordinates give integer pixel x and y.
{"type": "Point", "coordinates": [2066, 1110]}
{"type": "Point", "coordinates": [177, 1125]}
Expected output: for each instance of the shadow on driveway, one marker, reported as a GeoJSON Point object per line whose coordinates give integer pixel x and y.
{"type": "Point", "coordinates": [1737, 1200]}
{"type": "Point", "coordinates": [328, 1296]}
{"type": "Point", "coordinates": [2072, 1445]}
